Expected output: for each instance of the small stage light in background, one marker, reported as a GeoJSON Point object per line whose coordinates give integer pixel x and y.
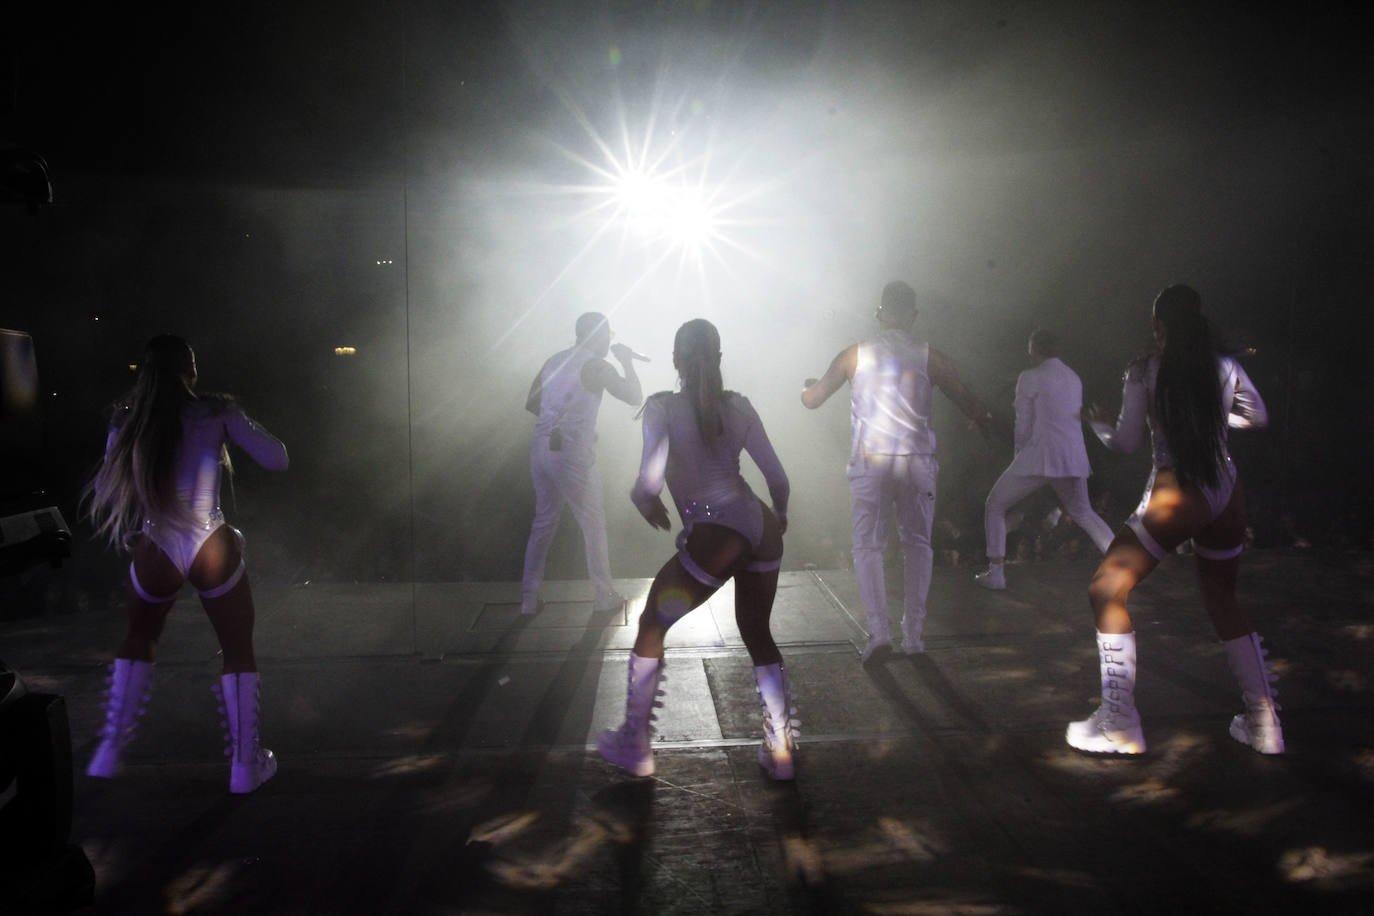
{"type": "Point", "coordinates": [345, 351]}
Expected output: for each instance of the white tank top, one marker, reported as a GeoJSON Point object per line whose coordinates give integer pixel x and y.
{"type": "Point", "coordinates": [564, 402]}
{"type": "Point", "coordinates": [889, 397]}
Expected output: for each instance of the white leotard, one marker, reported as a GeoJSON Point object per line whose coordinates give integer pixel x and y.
{"type": "Point", "coordinates": [705, 480]}
{"type": "Point", "coordinates": [207, 424]}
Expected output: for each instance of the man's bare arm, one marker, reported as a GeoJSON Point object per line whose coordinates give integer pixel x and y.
{"type": "Point", "coordinates": [599, 375]}
{"type": "Point", "coordinates": [841, 370]}
{"type": "Point", "coordinates": [945, 377]}
{"type": "Point", "coordinates": [536, 391]}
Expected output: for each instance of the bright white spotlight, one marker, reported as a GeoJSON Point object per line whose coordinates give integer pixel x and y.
{"type": "Point", "coordinates": [691, 224]}
{"type": "Point", "coordinates": [656, 211]}
{"type": "Point", "coordinates": [668, 200]}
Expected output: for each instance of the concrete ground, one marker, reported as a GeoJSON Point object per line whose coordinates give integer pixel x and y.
{"type": "Point", "coordinates": [435, 759]}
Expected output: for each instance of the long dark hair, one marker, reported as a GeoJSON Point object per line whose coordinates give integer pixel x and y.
{"type": "Point", "coordinates": [137, 477]}
{"type": "Point", "coordinates": [696, 355]}
{"type": "Point", "coordinates": [1187, 390]}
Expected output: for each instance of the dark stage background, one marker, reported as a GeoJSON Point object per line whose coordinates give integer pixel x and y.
{"type": "Point", "coordinates": [420, 180]}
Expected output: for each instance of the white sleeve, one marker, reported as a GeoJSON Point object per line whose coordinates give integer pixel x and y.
{"type": "Point", "coordinates": [1126, 435]}
{"type": "Point", "coordinates": [1025, 411]}
{"type": "Point", "coordinates": [760, 448]}
{"type": "Point", "coordinates": [1247, 407]}
{"type": "Point", "coordinates": [263, 447]}
{"type": "Point", "coordinates": [653, 462]}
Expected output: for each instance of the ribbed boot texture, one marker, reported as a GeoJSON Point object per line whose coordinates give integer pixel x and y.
{"type": "Point", "coordinates": [127, 691]}
{"type": "Point", "coordinates": [1115, 727]}
{"type": "Point", "coordinates": [628, 746]}
{"type": "Point", "coordinates": [1259, 725]}
{"type": "Point", "coordinates": [250, 764]}
{"type": "Point", "coordinates": [780, 723]}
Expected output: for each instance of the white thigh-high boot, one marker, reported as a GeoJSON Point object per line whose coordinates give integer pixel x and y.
{"type": "Point", "coordinates": [1115, 727]}
{"type": "Point", "coordinates": [128, 688]}
{"type": "Point", "coordinates": [780, 725]}
{"type": "Point", "coordinates": [250, 764]}
{"type": "Point", "coordinates": [628, 746]}
{"type": "Point", "coordinates": [1259, 725]}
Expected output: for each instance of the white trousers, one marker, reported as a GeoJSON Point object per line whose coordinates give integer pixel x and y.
{"type": "Point", "coordinates": [1011, 488]}
{"type": "Point", "coordinates": [567, 477]}
{"type": "Point", "coordinates": [878, 485]}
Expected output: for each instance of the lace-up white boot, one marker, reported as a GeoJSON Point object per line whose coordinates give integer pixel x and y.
{"type": "Point", "coordinates": [127, 690]}
{"type": "Point", "coordinates": [780, 723]}
{"type": "Point", "coordinates": [251, 764]}
{"type": "Point", "coordinates": [1259, 725]}
{"type": "Point", "coordinates": [628, 746]}
{"type": "Point", "coordinates": [1115, 727]}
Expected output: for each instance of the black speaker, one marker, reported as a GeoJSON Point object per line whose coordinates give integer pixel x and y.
{"type": "Point", "coordinates": [40, 871]}
{"type": "Point", "coordinates": [38, 751]}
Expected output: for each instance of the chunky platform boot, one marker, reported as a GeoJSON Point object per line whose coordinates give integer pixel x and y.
{"type": "Point", "coordinates": [127, 690]}
{"type": "Point", "coordinates": [1115, 727]}
{"type": "Point", "coordinates": [1259, 725]}
{"type": "Point", "coordinates": [251, 764]}
{"type": "Point", "coordinates": [780, 724]}
{"type": "Point", "coordinates": [628, 746]}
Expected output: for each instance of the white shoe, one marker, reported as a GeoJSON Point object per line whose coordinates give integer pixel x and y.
{"type": "Point", "coordinates": [126, 697]}
{"type": "Point", "coordinates": [627, 747]}
{"type": "Point", "coordinates": [630, 746]}
{"type": "Point", "coordinates": [613, 601]}
{"type": "Point", "coordinates": [780, 723]}
{"type": "Point", "coordinates": [250, 764]}
{"type": "Point", "coordinates": [912, 625]}
{"type": "Point", "coordinates": [1115, 727]}
{"type": "Point", "coordinates": [878, 648]}
{"type": "Point", "coordinates": [1259, 729]}
{"type": "Point", "coordinates": [1108, 732]}
{"type": "Point", "coordinates": [1259, 725]}
{"type": "Point", "coordinates": [994, 577]}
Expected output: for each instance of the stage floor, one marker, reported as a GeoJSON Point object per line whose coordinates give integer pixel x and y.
{"type": "Point", "coordinates": [434, 750]}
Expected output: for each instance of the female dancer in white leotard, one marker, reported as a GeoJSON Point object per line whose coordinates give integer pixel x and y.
{"type": "Point", "coordinates": [692, 441]}
{"type": "Point", "coordinates": [1187, 395]}
{"type": "Point", "coordinates": [157, 495]}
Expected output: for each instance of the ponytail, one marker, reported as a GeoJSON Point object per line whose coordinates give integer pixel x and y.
{"type": "Point", "coordinates": [696, 354]}
{"type": "Point", "coordinates": [1187, 389]}
{"type": "Point", "coordinates": [136, 478]}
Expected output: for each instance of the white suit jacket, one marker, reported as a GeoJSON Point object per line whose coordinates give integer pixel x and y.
{"type": "Point", "coordinates": [1049, 432]}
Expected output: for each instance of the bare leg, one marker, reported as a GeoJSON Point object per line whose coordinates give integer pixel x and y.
{"type": "Point", "coordinates": [1125, 564]}
{"type": "Point", "coordinates": [718, 551]}
{"type": "Point", "coordinates": [231, 614]}
{"type": "Point", "coordinates": [754, 594]}
{"type": "Point", "coordinates": [1173, 515]}
{"type": "Point", "coordinates": [673, 593]}
{"type": "Point", "coordinates": [158, 576]}
{"type": "Point", "coordinates": [1217, 576]}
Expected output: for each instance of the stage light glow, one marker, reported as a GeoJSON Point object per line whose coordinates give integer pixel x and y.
{"type": "Point", "coordinates": [656, 211]}
{"type": "Point", "coordinates": [662, 200]}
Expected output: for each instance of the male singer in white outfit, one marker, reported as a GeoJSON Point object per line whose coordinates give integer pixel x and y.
{"type": "Point", "coordinates": [892, 457]}
{"type": "Point", "coordinates": [565, 397]}
{"type": "Point", "coordinates": [1049, 450]}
